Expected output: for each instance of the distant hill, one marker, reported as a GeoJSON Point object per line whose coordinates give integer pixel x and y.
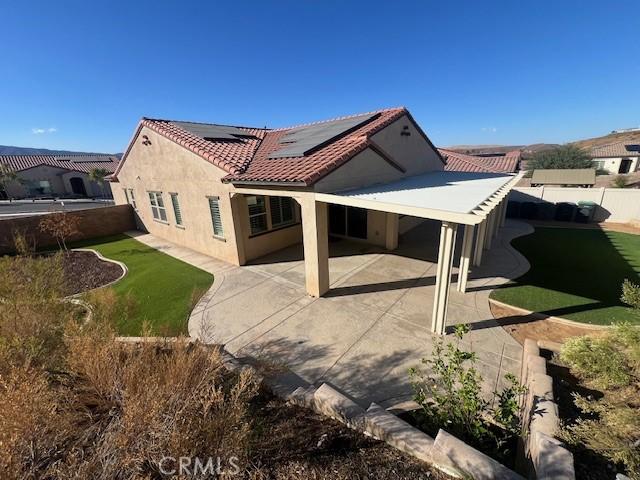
{"type": "Point", "coordinates": [626, 137]}
{"type": "Point", "coordinates": [9, 150]}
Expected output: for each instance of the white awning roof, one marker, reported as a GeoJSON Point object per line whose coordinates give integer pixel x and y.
{"type": "Point", "coordinates": [450, 196]}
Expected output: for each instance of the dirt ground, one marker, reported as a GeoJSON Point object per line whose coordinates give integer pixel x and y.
{"type": "Point", "coordinates": [521, 327]}
{"type": "Point", "coordinates": [295, 443]}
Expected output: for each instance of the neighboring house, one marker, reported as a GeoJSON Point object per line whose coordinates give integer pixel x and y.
{"type": "Point", "coordinates": [239, 193]}
{"type": "Point", "coordinates": [616, 158]}
{"type": "Point", "coordinates": [57, 175]}
{"type": "Point", "coordinates": [508, 162]}
{"type": "Point", "coordinates": [579, 177]}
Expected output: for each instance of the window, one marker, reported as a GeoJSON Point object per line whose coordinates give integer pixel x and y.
{"type": "Point", "coordinates": [176, 208]}
{"type": "Point", "coordinates": [598, 164]}
{"type": "Point", "coordinates": [348, 221]}
{"type": "Point", "coordinates": [257, 214]}
{"type": "Point", "coordinates": [282, 212]}
{"type": "Point", "coordinates": [216, 219]}
{"type": "Point", "coordinates": [132, 197]}
{"type": "Point", "coordinates": [44, 186]}
{"type": "Point", "coordinates": [157, 206]}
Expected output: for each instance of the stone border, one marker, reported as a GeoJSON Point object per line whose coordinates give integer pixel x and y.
{"type": "Point", "coordinates": [540, 451]}
{"type": "Point", "coordinates": [125, 270]}
{"type": "Point", "coordinates": [542, 316]}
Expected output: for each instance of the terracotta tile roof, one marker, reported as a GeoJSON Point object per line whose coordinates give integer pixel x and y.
{"type": "Point", "coordinates": [247, 159]}
{"type": "Point", "coordinates": [310, 168]}
{"type": "Point", "coordinates": [619, 149]}
{"type": "Point", "coordinates": [76, 162]}
{"type": "Point", "coordinates": [461, 162]}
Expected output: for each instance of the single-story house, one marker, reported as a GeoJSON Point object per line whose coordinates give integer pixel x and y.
{"type": "Point", "coordinates": [616, 158]}
{"type": "Point", "coordinates": [238, 193]}
{"type": "Point", "coordinates": [508, 162]}
{"type": "Point", "coordinates": [564, 177]}
{"type": "Point", "coordinates": [57, 175]}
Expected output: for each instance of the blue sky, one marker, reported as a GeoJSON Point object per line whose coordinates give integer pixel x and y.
{"type": "Point", "coordinates": [79, 75]}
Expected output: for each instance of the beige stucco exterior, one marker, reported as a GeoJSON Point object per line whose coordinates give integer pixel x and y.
{"type": "Point", "coordinates": [166, 167]}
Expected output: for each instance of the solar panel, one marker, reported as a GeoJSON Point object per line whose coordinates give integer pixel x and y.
{"type": "Point", "coordinates": [302, 141]}
{"type": "Point", "coordinates": [217, 132]}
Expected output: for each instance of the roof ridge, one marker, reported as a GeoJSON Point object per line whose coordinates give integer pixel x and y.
{"type": "Point", "coordinates": [344, 117]}
{"type": "Point", "coordinates": [206, 123]}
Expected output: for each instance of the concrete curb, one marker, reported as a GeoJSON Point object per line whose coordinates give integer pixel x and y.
{"type": "Point", "coordinates": [541, 453]}
{"type": "Point", "coordinates": [542, 316]}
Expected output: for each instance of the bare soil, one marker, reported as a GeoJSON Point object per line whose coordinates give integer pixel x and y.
{"type": "Point", "coordinates": [85, 271]}
{"type": "Point", "coordinates": [296, 443]}
{"type": "Point", "coordinates": [589, 465]}
{"type": "Point", "coordinates": [522, 327]}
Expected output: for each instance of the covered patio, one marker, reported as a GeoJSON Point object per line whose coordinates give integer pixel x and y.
{"type": "Point", "coordinates": [474, 203]}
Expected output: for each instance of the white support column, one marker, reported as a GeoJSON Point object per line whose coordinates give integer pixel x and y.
{"type": "Point", "coordinates": [477, 255]}
{"type": "Point", "coordinates": [496, 223]}
{"type": "Point", "coordinates": [392, 229]}
{"type": "Point", "coordinates": [316, 246]}
{"type": "Point", "coordinates": [443, 277]}
{"type": "Point", "coordinates": [491, 218]}
{"type": "Point", "coordinates": [503, 216]}
{"type": "Point", "coordinates": [465, 258]}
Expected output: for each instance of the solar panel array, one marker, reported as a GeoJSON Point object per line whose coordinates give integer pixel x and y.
{"type": "Point", "coordinates": [217, 132]}
{"type": "Point", "coordinates": [304, 140]}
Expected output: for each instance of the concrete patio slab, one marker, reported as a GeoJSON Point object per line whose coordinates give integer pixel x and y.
{"type": "Point", "coordinates": [372, 325]}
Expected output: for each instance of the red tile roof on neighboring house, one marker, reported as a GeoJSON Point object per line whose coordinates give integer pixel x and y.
{"type": "Point", "coordinates": [247, 160]}
{"type": "Point", "coordinates": [613, 150]}
{"type": "Point", "coordinates": [461, 162]}
{"type": "Point", "coordinates": [76, 162]}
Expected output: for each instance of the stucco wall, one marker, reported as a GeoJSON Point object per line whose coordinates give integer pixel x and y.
{"type": "Point", "coordinates": [59, 180]}
{"type": "Point", "coordinates": [612, 164]}
{"type": "Point", "coordinates": [166, 167]}
{"type": "Point", "coordinates": [411, 151]}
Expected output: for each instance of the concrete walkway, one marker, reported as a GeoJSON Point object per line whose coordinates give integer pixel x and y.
{"type": "Point", "coordinates": [373, 325]}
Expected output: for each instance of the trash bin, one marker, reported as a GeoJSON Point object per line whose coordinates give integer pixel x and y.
{"type": "Point", "coordinates": [513, 209]}
{"type": "Point", "coordinates": [565, 211]}
{"type": "Point", "coordinates": [529, 210]}
{"type": "Point", "coordinates": [586, 211]}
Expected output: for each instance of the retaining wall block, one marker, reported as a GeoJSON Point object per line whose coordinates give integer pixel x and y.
{"type": "Point", "coordinates": [550, 459]}
{"type": "Point", "coordinates": [385, 426]}
{"type": "Point", "coordinates": [330, 402]}
{"type": "Point", "coordinates": [459, 459]}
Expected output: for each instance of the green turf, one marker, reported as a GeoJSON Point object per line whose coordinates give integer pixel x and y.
{"type": "Point", "coordinates": [162, 287]}
{"type": "Point", "coordinates": [576, 274]}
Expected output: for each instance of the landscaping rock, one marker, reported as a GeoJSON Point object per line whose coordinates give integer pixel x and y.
{"type": "Point", "coordinates": [383, 425]}
{"type": "Point", "coordinates": [459, 459]}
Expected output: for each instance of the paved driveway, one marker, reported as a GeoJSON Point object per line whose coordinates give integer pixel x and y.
{"type": "Point", "coordinates": [374, 322]}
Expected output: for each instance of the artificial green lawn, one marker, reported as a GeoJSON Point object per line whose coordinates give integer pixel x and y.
{"type": "Point", "coordinates": [162, 287]}
{"type": "Point", "coordinates": [576, 274]}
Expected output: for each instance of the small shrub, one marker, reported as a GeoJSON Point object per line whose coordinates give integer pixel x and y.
{"type": "Point", "coordinates": [631, 294]}
{"type": "Point", "coordinates": [450, 397]}
{"type": "Point", "coordinates": [619, 182]}
{"type": "Point", "coordinates": [597, 361]}
{"type": "Point", "coordinates": [61, 226]}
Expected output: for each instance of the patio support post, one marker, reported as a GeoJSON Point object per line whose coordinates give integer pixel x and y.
{"type": "Point", "coordinates": [465, 258]}
{"type": "Point", "coordinates": [392, 228]}
{"type": "Point", "coordinates": [316, 246]}
{"type": "Point", "coordinates": [503, 216]}
{"type": "Point", "coordinates": [491, 218]}
{"type": "Point", "coordinates": [477, 256]}
{"type": "Point", "coordinates": [496, 222]}
{"type": "Point", "coordinates": [443, 277]}
{"type": "Point", "coordinates": [238, 205]}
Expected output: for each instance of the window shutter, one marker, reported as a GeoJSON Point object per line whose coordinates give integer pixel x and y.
{"type": "Point", "coordinates": [176, 208]}
{"type": "Point", "coordinates": [216, 218]}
